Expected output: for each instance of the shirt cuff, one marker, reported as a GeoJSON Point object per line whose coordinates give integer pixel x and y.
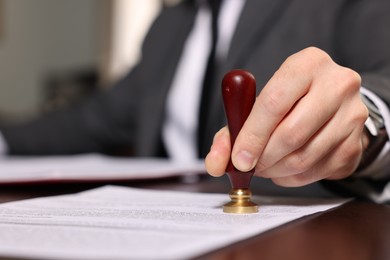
{"type": "Point", "coordinates": [378, 169]}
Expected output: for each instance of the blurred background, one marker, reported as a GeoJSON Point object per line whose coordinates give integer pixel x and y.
{"type": "Point", "coordinates": [54, 53]}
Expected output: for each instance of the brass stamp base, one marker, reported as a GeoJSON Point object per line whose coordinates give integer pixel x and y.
{"type": "Point", "coordinates": [241, 202]}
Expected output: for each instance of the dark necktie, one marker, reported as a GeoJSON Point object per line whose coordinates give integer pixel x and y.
{"type": "Point", "coordinates": [209, 75]}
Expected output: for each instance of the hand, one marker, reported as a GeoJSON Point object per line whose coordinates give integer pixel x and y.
{"type": "Point", "coordinates": [306, 125]}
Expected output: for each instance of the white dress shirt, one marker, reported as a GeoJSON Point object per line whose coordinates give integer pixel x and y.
{"type": "Point", "coordinates": [182, 112]}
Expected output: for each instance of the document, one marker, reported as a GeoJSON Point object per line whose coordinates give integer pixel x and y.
{"type": "Point", "coordinates": [90, 167]}
{"type": "Point", "coordinates": [114, 222]}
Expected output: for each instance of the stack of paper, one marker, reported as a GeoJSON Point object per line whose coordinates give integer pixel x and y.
{"type": "Point", "coordinates": [124, 223]}
{"type": "Point", "coordinates": [91, 167]}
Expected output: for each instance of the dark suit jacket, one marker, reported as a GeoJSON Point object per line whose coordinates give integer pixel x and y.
{"type": "Point", "coordinates": [356, 34]}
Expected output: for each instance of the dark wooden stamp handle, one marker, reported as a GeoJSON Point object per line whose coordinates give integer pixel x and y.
{"type": "Point", "coordinates": [239, 94]}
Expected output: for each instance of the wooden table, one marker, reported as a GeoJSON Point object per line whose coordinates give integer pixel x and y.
{"type": "Point", "coordinates": [356, 230]}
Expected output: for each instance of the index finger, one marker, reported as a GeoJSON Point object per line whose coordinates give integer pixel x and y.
{"type": "Point", "coordinates": [290, 83]}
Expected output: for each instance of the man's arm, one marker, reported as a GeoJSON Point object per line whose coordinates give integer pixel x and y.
{"type": "Point", "coordinates": [96, 125]}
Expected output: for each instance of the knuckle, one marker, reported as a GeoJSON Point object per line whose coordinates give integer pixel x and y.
{"type": "Point", "coordinates": [349, 153]}
{"type": "Point", "coordinates": [222, 134]}
{"type": "Point", "coordinates": [260, 169]}
{"type": "Point", "coordinates": [297, 163]}
{"type": "Point", "coordinates": [260, 165]}
{"type": "Point", "coordinates": [252, 142]}
{"type": "Point", "coordinates": [358, 115]}
{"type": "Point", "coordinates": [312, 51]}
{"type": "Point", "coordinates": [352, 77]}
{"type": "Point", "coordinates": [349, 79]}
{"type": "Point", "coordinates": [316, 57]}
{"type": "Point", "coordinates": [292, 137]}
{"type": "Point", "coordinates": [253, 139]}
{"type": "Point", "coordinates": [361, 113]}
{"type": "Point", "coordinates": [272, 102]}
{"type": "Point", "coordinates": [345, 168]}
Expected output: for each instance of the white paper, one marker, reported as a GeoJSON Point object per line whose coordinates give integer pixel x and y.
{"type": "Point", "coordinates": [91, 167]}
{"type": "Point", "coordinates": [123, 223]}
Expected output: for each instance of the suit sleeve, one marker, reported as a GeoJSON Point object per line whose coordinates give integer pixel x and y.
{"type": "Point", "coordinates": [362, 43]}
{"type": "Point", "coordinates": [363, 40]}
{"type": "Point", "coordinates": [98, 125]}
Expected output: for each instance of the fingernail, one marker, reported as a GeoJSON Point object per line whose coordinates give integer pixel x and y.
{"type": "Point", "coordinates": [244, 161]}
